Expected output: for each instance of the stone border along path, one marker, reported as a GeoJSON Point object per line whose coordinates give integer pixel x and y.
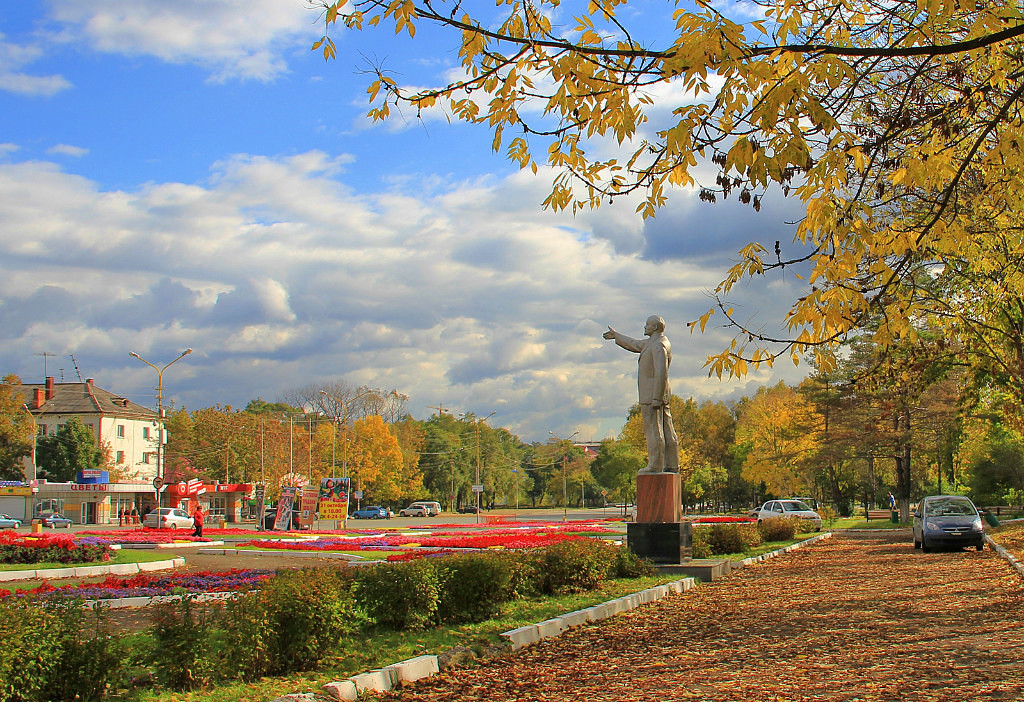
{"type": "Point", "coordinates": [90, 571]}
{"type": "Point", "coordinates": [1006, 555]}
{"type": "Point", "coordinates": [408, 671]}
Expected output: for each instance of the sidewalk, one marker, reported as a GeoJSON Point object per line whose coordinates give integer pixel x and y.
{"type": "Point", "coordinates": [854, 618]}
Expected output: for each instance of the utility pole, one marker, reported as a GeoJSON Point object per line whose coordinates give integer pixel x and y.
{"type": "Point", "coordinates": [565, 457]}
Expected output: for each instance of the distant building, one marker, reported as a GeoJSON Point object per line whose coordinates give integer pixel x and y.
{"type": "Point", "coordinates": [130, 430]}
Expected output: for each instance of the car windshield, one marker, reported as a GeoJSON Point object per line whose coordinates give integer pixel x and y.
{"type": "Point", "coordinates": [952, 507]}
{"type": "Point", "coordinates": [795, 506]}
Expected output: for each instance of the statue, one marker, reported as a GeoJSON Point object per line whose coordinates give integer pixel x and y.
{"type": "Point", "coordinates": [655, 394]}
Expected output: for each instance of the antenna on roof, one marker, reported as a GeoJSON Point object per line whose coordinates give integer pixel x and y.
{"type": "Point", "coordinates": [45, 355]}
{"type": "Point", "coordinates": [78, 372]}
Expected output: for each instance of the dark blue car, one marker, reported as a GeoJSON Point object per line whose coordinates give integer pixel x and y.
{"type": "Point", "coordinates": [372, 513]}
{"type": "Point", "coordinates": [947, 520]}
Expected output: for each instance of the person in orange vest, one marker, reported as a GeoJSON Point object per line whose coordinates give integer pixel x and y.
{"type": "Point", "coordinates": [197, 521]}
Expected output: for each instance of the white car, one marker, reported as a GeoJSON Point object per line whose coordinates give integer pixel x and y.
{"type": "Point", "coordinates": [167, 518]}
{"type": "Point", "coordinates": [413, 511]}
{"type": "Point", "coordinates": [776, 509]}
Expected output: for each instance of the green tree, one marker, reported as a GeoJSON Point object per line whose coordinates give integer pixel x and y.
{"type": "Point", "coordinates": [16, 429]}
{"type": "Point", "coordinates": [615, 469]}
{"type": "Point", "coordinates": [72, 449]}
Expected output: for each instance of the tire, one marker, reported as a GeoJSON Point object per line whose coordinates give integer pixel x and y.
{"type": "Point", "coordinates": [917, 544]}
{"type": "Point", "coordinates": [980, 547]}
{"type": "Point", "coordinates": [924, 545]}
{"type": "Point", "coordinates": [174, 527]}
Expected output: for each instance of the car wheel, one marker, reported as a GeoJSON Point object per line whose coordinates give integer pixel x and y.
{"type": "Point", "coordinates": [924, 545]}
{"type": "Point", "coordinates": [174, 526]}
{"type": "Point", "coordinates": [981, 547]}
{"type": "Point", "coordinates": [917, 544]}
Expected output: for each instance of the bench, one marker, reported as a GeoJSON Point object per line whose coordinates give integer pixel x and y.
{"type": "Point", "coordinates": [879, 514]}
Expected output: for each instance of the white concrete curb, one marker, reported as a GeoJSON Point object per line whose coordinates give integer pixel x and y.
{"type": "Point", "coordinates": [1006, 555]}
{"type": "Point", "coordinates": [90, 571]}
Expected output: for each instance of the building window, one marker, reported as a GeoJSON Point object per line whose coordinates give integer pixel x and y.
{"type": "Point", "coordinates": [42, 430]}
{"type": "Point", "coordinates": [120, 431]}
{"type": "Point", "coordinates": [149, 457]}
{"type": "Point", "coordinates": [120, 457]}
{"type": "Point", "coordinates": [145, 432]}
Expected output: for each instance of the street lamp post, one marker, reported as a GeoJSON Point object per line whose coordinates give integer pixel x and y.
{"type": "Point", "coordinates": [35, 467]}
{"type": "Point", "coordinates": [478, 485]}
{"type": "Point", "coordinates": [160, 410]}
{"type": "Point", "coordinates": [565, 491]}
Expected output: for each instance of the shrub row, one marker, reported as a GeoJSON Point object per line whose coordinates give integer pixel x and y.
{"type": "Point", "coordinates": [722, 539]}
{"type": "Point", "coordinates": [472, 588]}
{"type": "Point", "coordinates": [290, 624]}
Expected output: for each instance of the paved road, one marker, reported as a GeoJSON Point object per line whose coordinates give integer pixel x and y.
{"type": "Point", "coordinates": [852, 619]}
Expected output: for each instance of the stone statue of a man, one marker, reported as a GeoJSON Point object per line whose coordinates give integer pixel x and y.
{"type": "Point", "coordinates": [655, 393]}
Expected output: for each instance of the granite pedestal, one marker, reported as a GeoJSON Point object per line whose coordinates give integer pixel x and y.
{"type": "Point", "coordinates": [659, 533]}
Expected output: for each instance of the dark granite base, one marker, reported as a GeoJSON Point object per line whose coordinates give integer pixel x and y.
{"type": "Point", "coordinates": [662, 543]}
{"type": "Point", "coordinates": [705, 569]}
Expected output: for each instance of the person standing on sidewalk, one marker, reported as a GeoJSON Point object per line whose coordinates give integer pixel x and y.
{"type": "Point", "coordinates": [197, 521]}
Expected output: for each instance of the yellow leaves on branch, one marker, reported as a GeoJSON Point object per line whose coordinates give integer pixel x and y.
{"type": "Point", "coordinates": [901, 132]}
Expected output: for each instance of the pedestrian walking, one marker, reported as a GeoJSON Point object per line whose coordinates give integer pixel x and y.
{"type": "Point", "coordinates": [892, 502]}
{"type": "Point", "coordinates": [197, 521]}
{"type": "Point", "coordinates": [134, 516]}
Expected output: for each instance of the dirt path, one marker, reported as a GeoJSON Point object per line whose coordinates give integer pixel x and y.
{"type": "Point", "coordinates": [851, 619]}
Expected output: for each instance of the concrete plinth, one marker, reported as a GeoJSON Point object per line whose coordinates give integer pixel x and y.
{"type": "Point", "coordinates": [661, 543]}
{"type": "Point", "coordinates": [658, 498]}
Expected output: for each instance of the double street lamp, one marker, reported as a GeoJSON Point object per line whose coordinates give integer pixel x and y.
{"type": "Point", "coordinates": [160, 410]}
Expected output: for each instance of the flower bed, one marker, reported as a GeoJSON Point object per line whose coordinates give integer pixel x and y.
{"type": "Point", "coordinates": [720, 520]}
{"type": "Point", "coordinates": [151, 585]}
{"type": "Point", "coordinates": [520, 538]}
{"type": "Point", "coordinates": [49, 548]}
{"type": "Point", "coordinates": [142, 536]}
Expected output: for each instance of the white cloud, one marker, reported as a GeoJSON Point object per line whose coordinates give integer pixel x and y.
{"type": "Point", "coordinates": [67, 150]}
{"type": "Point", "coordinates": [278, 275]}
{"type": "Point", "coordinates": [245, 39]}
{"type": "Point", "coordinates": [15, 57]}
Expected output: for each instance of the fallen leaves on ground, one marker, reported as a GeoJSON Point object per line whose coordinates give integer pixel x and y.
{"type": "Point", "coordinates": [850, 619]}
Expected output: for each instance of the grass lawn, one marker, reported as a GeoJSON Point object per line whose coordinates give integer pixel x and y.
{"type": "Point", "coordinates": [366, 555]}
{"type": "Point", "coordinates": [377, 648]}
{"type": "Point", "coordinates": [861, 523]}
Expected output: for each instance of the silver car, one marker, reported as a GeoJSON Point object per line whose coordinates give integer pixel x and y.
{"type": "Point", "coordinates": [167, 518]}
{"type": "Point", "coordinates": [9, 522]}
{"type": "Point", "coordinates": [777, 509]}
{"type": "Point", "coordinates": [947, 520]}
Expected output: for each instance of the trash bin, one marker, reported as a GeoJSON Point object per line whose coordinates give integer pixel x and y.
{"type": "Point", "coordinates": [894, 517]}
{"type": "Point", "coordinates": [991, 519]}
{"type": "Point", "coordinates": [37, 526]}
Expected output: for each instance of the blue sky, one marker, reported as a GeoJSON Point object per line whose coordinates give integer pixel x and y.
{"type": "Point", "coordinates": [190, 174]}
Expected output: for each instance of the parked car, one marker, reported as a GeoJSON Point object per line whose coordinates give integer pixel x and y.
{"type": "Point", "coordinates": [433, 508]}
{"type": "Point", "coordinates": [778, 509]}
{"type": "Point", "coordinates": [9, 522]}
{"type": "Point", "coordinates": [372, 512]}
{"type": "Point", "coordinates": [468, 509]}
{"type": "Point", "coordinates": [168, 518]}
{"type": "Point", "coordinates": [413, 510]}
{"type": "Point", "coordinates": [54, 520]}
{"type": "Point", "coordinates": [948, 520]}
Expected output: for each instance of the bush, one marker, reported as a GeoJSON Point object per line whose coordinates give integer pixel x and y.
{"type": "Point", "coordinates": [576, 565]}
{"type": "Point", "coordinates": [289, 625]}
{"type": "Point", "coordinates": [726, 538]}
{"type": "Point", "coordinates": [399, 595]}
{"type": "Point", "coordinates": [474, 586]}
{"type": "Point", "coordinates": [182, 654]}
{"type": "Point", "coordinates": [629, 565]}
{"type": "Point", "coordinates": [701, 541]}
{"type": "Point", "coordinates": [779, 529]}
{"type": "Point", "coordinates": [45, 657]}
